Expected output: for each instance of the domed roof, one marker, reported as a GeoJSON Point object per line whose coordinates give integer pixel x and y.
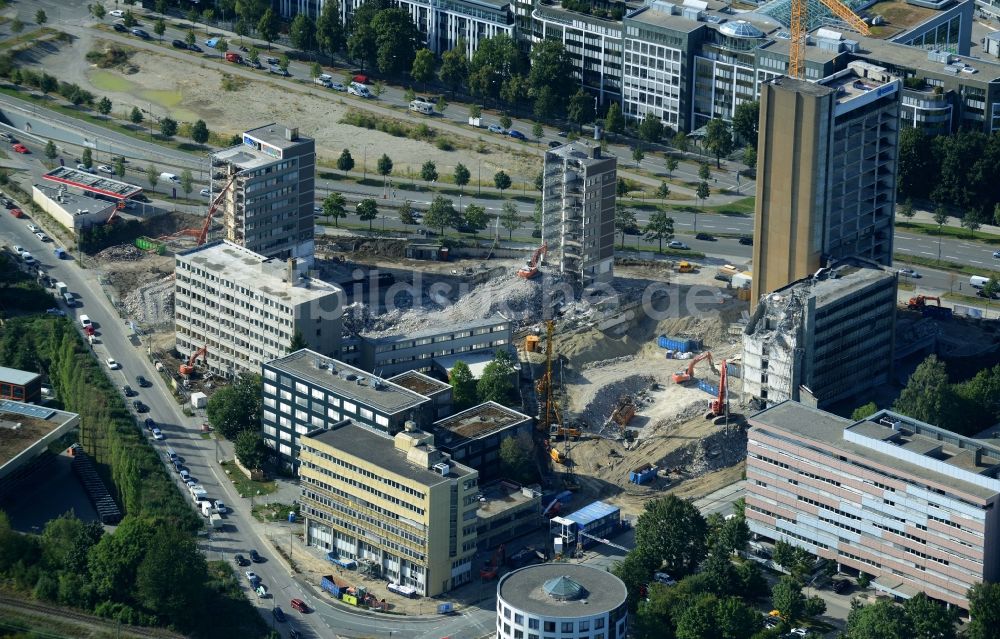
{"type": "Point", "coordinates": [741, 29]}
{"type": "Point", "coordinates": [564, 589]}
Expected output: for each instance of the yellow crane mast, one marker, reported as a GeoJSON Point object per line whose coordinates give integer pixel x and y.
{"type": "Point", "coordinates": [798, 20]}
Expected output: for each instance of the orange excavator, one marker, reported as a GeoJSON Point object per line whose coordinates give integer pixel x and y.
{"type": "Point", "coordinates": [530, 269]}
{"type": "Point", "coordinates": [920, 301]}
{"type": "Point", "coordinates": [489, 571]}
{"type": "Point", "coordinates": [685, 376]}
{"type": "Point", "coordinates": [720, 405]}
{"type": "Point", "coordinates": [187, 369]}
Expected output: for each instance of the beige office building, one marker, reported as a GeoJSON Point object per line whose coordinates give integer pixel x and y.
{"type": "Point", "coordinates": [826, 173]}
{"type": "Point", "coordinates": [398, 506]}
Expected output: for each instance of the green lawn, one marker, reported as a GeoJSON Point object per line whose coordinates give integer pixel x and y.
{"type": "Point", "coordinates": [949, 231]}
{"type": "Point", "coordinates": [944, 265]}
{"type": "Point", "coordinates": [245, 486]}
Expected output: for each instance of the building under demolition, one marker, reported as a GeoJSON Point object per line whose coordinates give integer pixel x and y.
{"type": "Point", "coordinates": [822, 338]}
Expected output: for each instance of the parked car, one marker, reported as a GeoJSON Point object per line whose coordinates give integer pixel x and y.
{"type": "Point", "coordinates": [746, 240]}
{"type": "Point", "coordinates": [496, 128]}
{"type": "Point", "coordinates": [802, 632]}
{"type": "Point", "coordinates": [271, 60]}
{"type": "Point", "coordinates": [185, 476]}
{"type": "Point", "coordinates": [252, 576]}
{"type": "Point", "coordinates": [840, 585]}
{"type": "Point", "coordinates": [20, 148]}
{"type": "Point", "coordinates": [241, 561]}
{"type": "Point", "coordinates": [139, 406]}
{"type": "Point", "coordinates": [908, 272]}
{"type": "Point", "coordinates": [255, 557]}
{"type": "Point", "coordinates": [127, 391]}
{"type": "Point", "coordinates": [150, 423]}
{"type": "Point", "coordinates": [112, 363]}
{"type": "Point", "coordinates": [555, 143]}
{"type": "Point", "coordinates": [276, 70]}
{"type": "Point", "coordinates": [43, 237]}
{"type": "Point", "coordinates": [563, 134]}
{"type": "Point", "coordinates": [262, 591]}
{"type": "Point", "coordinates": [996, 254]}
{"type": "Point", "coordinates": [141, 33]}
{"type": "Point", "coordinates": [157, 434]}
{"type": "Point", "coordinates": [220, 507]}
{"type": "Point", "coordinates": [517, 135]}
{"type": "Point", "coordinates": [116, 13]}
{"type": "Point", "coordinates": [299, 605]}
{"type": "Point", "coordinates": [16, 212]}
{"type": "Point", "coordinates": [33, 228]}
{"type": "Point", "coordinates": [279, 614]}
{"type": "Point", "coordinates": [676, 244]}
{"type": "Point", "coordinates": [142, 381]}
{"type": "Point", "coordinates": [338, 86]}
{"type": "Point", "coordinates": [179, 44]}
{"type": "Point", "coordinates": [211, 42]}
{"type": "Point", "coordinates": [120, 28]}
{"type": "Point", "coordinates": [708, 237]}
{"type": "Point", "coordinates": [56, 311]}
{"type": "Point", "coordinates": [195, 48]}
{"type": "Point", "coordinates": [206, 192]}
{"type": "Point", "coordinates": [104, 168]}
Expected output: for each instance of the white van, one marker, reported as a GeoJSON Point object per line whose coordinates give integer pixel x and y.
{"type": "Point", "coordinates": [28, 258]}
{"type": "Point", "coordinates": [61, 288]}
{"type": "Point", "coordinates": [422, 107]}
{"type": "Point", "coordinates": [206, 509]}
{"type": "Point", "coordinates": [324, 79]}
{"type": "Point", "coordinates": [978, 281]}
{"type": "Point", "coordinates": [85, 321]}
{"type": "Point", "coordinates": [170, 177]}
{"type": "Point", "coordinates": [359, 90]}
{"type": "Point", "coordinates": [69, 299]}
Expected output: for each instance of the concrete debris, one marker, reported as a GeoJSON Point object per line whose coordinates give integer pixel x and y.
{"type": "Point", "coordinates": [120, 253]}
{"type": "Point", "coordinates": [152, 305]}
{"type": "Point", "coordinates": [599, 409]}
{"type": "Point", "coordinates": [718, 450]}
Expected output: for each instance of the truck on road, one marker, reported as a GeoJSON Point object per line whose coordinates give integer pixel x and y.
{"type": "Point", "coordinates": [216, 521]}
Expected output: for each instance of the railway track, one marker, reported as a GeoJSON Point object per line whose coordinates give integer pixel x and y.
{"type": "Point", "coordinates": [15, 604]}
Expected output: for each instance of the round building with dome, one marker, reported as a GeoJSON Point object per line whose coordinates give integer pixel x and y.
{"type": "Point", "coordinates": [561, 601]}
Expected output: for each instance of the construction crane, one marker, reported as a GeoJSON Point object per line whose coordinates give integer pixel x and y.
{"type": "Point", "coordinates": [530, 269]}
{"type": "Point", "coordinates": [685, 376]}
{"type": "Point", "coordinates": [920, 301]}
{"type": "Point", "coordinates": [720, 405]}
{"type": "Point", "coordinates": [203, 235]}
{"type": "Point", "coordinates": [187, 369]}
{"type": "Point", "coordinates": [798, 25]}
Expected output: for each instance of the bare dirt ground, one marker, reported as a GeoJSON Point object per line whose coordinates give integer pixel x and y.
{"type": "Point", "coordinates": [187, 91]}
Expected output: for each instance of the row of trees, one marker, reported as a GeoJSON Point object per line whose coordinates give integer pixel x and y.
{"type": "Point", "coordinates": [235, 411]}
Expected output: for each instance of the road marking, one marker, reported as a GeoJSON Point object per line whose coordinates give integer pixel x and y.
{"type": "Point", "coordinates": [708, 226]}
{"type": "Point", "coordinates": [731, 228]}
{"type": "Point", "coordinates": [975, 261]}
{"type": "Point", "coordinates": [926, 252]}
{"type": "Point", "coordinates": [950, 257]}
{"type": "Point", "coordinates": [904, 249]}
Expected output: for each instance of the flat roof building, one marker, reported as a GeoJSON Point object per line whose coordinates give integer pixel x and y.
{"type": "Point", "coordinates": [822, 339]}
{"type": "Point", "coordinates": [26, 431]}
{"type": "Point", "coordinates": [506, 510]}
{"type": "Point", "coordinates": [397, 505]}
{"type": "Point", "coordinates": [578, 213]}
{"type": "Point", "coordinates": [20, 386]}
{"type": "Point", "coordinates": [912, 505]}
{"type": "Point", "coordinates": [247, 308]}
{"type": "Point", "coordinates": [269, 206]}
{"type": "Point", "coordinates": [571, 601]}
{"type": "Point", "coordinates": [434, 389]}
{"type": "Point", "coordinates": [305, 390]}
{"type": "Point", "coordinates": [826, 173]}
{"type": "Point", "coordinates": [473, 436]}
{"type": "Point", "coordinates": [76, 212]}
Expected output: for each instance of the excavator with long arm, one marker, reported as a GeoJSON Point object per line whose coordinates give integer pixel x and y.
{"type": "Point", "coordinates": [681, 377]}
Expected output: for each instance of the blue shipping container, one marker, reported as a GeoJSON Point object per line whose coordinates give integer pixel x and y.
{"type": "Point", "coordinates": [711, 389]}
{"type": "Point", "coordinates": [328, 585]}
{"type": "Point", "coordinates": [682, 344]}
{"type": "Point", "coordinates": [642, 475]}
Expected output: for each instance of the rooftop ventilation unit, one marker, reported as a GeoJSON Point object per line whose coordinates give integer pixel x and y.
{"type": "Point", "coordinates": [442, 469]}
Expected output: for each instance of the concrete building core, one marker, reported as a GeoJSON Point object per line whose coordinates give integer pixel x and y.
{"type": "Point", "coordinates": [823, 338]}
{"type": "Point", "coordinates": [826, 173]}
{"type": "Point", "coordinates": [912, 505]}
{"type": "Point", "coordinates": [269, 207]}
{"type": "Point", "coordinates": [578, 213]}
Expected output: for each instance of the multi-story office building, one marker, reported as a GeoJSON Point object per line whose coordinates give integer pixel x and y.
{"type": "Point", "coordinates": [826, 173]}
{"type": "Point", "coordinates": [594, 45]}
{"type": "Point", "coordinates": [421, 350]}
{"type": "Point", "coordinates": [473, 436]}
{"type": "Point", "coordinates": [246, 308]}
{"type": "Point", "coordinates": [396, 504]}
{"type": "Point", "coordinates": [914, 506]}
{"type": "Point", "coordinates": [269, 183]}
{"type": "Point", "coordinates": [305, 391]}
{"type": "Point", "coordinates": [433, 389]}
{"type": "Point", "coordinates": [806, 341]}
{"type": "Point", "coordinates": [578, 213]}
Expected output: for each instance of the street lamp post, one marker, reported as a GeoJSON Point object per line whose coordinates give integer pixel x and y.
{"type": "Point", "coordinates": [480, 177]}
{"type": "Point", "coordinates": [364, 165]}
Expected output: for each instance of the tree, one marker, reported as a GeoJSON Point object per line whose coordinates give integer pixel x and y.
{"type": "Point", "coordinates": [87, 158]}
{"type": "Point", "coordinates": [187, 181]}
{"type": "Point", "coordinates": [406, 213]}
{"type": "Point", "coordinates": [361, 42]}
{"type": "Point", "coordinates": [104, 106]}
{"type": "Point", "coordinates": [940, 217]}
{"type": "Point", "coordinates": [423, 66]}
{"type": "Point", "coordinates": [475, 111]}
{"type": "Point", "coordinates": [98, 11]}
{"type": "Point", "coordinates": [170, 579]}
{"type": "Point", "coordinates": [222, 46]}
{"type": "Point", "coordinates": [704, 172]}
{"type": "Point", "coordinates": [931, 620]}
{"type": "Point", "coordinates": [614, 121]}
{"type": "Point", "coordinates": [441, 104]}
{"type": "Point", "coordinates": [315, 70]}
{"type": "Point", "coordinates": [168, 127]}
{"type": "Point", "coordinates": [927, 396]}
{"type": "Point", "coordinates": [502, 181]}
{"type": "Point", "coordinates": [651, 128]}
{"type": "Point", "coordinates": [680, 141]}
{"type": "Point", "coordinates": [787, 598]}
{"type": "Point", "coordinates": [750, 157]}
{"type": "Point", "coordinates": [334, 206]}
{"type": "Point", "coordinates": [984, 608]}
{"type": "Point", "coordinates": [697, 620]}
{"type": "Point", "coordinates": [703, 192]}
{"type": "Point", "coordinates": [199, 132]}
{"type": "Point", "coordinates": [864, 411]}
{"type": "Point", "coordinates": [40, 17]}
{"type": "Point", "coordinates": [638, 154]}
{"type": "Point", "coordinates": [463, 386]}
{"type": "Point", "coordinates": [250, 448]}
{"type": "Point", "coordinates": [495, 383]}
{"type": "Point", "coordinates": [190, 38]}
{"type": "Point", "coordinates": [367, 211]}
{"type": "Point", "coordinates": [267, 27]}
{"type": "Point", "coordinates": [516, 459]}
{"type": "Point", "coordinates": [581, 108]}
{"type": "Point", "coordinates": [428, 172]}
{"type": "Point", "coordinates": [972, 220]}
{"type": "Point", "coordinates": [136, 116]}
{"type": "Point", "coordinates": [396, 41]}
{"type": "Point", "coordinates": [673, 532]}
{"type": "Point", "coordinates": [113, 562]}
{"type": "Point", "coordinates": [660, 227]}
{"type": "Point", "coordinates": [50, 150]}
{"type": "Point", "coordinates": [461, 176]}
{"type": "Point", "coordinates": [442, 214]}
{"type": "Point", "coordinates": [718, 139]}
{"type": "Point", "coordinates": [505, 121]}
{"type": "Point", "coordinates": [120, 166]}
{"type": "Point", "coordinates": [537, 131]}
{"type": "Point", "coordinates": [476, 218]}
{"type": "Point", "coordinates": [907, 210]}
{"type": "Point", "coordinates": [159, 27]}
{"type": "Point", "coordinates": [237, 407]}
{"type": "Point", "coordinates": [494, 62]}
{"type": "Point", "coordinates": [454, 72]}
{"type": "Point", "coordinates": [621, 187]}
{"type": "Point", "coordinates": [813, 607]}
{"type": "Point", "coordinates": [345, 162]}
{"type": "Point", "coordinates": [509, 219]}
{"type": "Point", "coordinates": [745, 121]}
{"type": "Point", "coordinates": [635, 570]}
{"type": "Point", "coordinates": [16, 26]}
{"type": "Point", "coordinates": [550, 77]}
{"type": "Point", "coordinates": [880, 620]}
{"type": "Point", "coordinates": [670, 163]}
{"type": "Point", "coordinates": [283, 62]}
{"type": "Point", "coordinates": [302, 32]}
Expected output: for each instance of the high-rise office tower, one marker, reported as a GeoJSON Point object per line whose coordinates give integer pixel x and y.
{"type": "Point", "coordinates": [578, 213]}
{"type": "Point", "coordinates": [268, 208]}
{"type": "Point", "coordinates": [826, 173]}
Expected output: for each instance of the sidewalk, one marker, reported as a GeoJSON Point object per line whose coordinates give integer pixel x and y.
{"type": "Point", "coordinates": [927, 217]}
